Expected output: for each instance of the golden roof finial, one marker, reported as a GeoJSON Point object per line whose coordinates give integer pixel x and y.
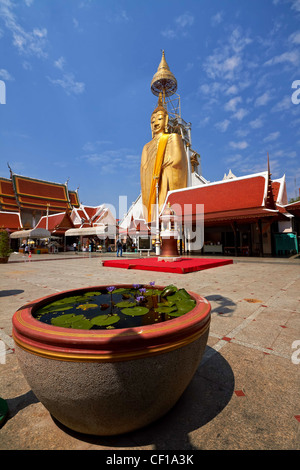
{"type": "Point", "coordinates": [163, 81]}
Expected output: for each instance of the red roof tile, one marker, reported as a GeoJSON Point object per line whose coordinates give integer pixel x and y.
{"type": "Point", "coordinates": [238, 198]}
{"type": "Point", "coordinates": [11, 221]}
{"type": "Point", "coordinates": [57, 223]}
{"type": "Point", "coordinates": [36, 194]}
{"type": "Point", "coordinates": [7, 196]}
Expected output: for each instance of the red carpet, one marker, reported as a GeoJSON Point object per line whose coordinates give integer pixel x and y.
{"type": "Point", "coordinates": [185, 265]}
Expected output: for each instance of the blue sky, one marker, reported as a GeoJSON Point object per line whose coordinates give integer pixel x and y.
{"type": "Point", "coordinates": [77, 75]}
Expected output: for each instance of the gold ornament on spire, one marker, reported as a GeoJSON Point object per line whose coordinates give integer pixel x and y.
{"type": "Point", "coordinates": [163, 81]}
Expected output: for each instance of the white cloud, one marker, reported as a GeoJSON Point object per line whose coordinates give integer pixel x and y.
{"type": "Point", "coordinates": [263, 99]}
{"type": "Point", "coordinates": [5, 75]}
{"type": "Point", "coordinates": [296, 5]}
{"type": "Point", "coordinates": [227, 60]}
{"type": "Point", "coordinates": [256, 123]}
{"type": "Point", "coordinates": [27, 42]}
{"type": "Point", "coordinates": [271, 137]}
{"type": "Point", "coordinates": [291, 57]}
{"type": "Point", "coordinates": [232, 90]}
{"type": "Point", "coordinates": [232, 104]}
{"type": "Point", "coordinates": [283, 105]}
{"type": "Point", "coordinates": [69, 84]}
{"type": "Point", "coordinates": [295, 37]}
{"type": "Point", "coordinates": [59, 63]}
{"type": "Point", "coordinates": [223, 125]}
{"type": "Point", "coordinates": [240, 114]}
{"type": "Point", "coordinates": [217, 18]}
{"type": "Point", "coordinates": [239, 145]}
{"type": "Point", "coordinates": [182, 23]}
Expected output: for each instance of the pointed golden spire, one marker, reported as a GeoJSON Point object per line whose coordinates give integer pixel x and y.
{"type": "Point", "coordinates": [163, 81]}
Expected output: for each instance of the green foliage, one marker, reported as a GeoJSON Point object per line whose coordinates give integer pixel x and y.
{"type": "Point", "coordinates": [135, 311]}
{"type": "Point", "coordinates": [4, 244]}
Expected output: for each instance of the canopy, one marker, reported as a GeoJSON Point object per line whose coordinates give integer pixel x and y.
{"type": "Point", "coordinates": [32, 233]}
{"type": "Point", "coordinates": [88, 231]}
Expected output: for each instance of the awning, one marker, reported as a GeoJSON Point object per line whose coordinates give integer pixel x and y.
{"type": "Point", "coordinates": [88, 231]}
{"type": "Point", "coordinates": [32, 233]}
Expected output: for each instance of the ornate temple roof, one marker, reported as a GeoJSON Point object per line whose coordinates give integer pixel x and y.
{"type": "Point", "coordinates": [57, 224]}
{"type": "Point", "coordinates": [8, 200]}
{"type": "Point", "coordinates": [243, 198]}
{"type": "Point", "coordinates": [22, 192]}
{"type": "Point", "coordinates": [11, 221]}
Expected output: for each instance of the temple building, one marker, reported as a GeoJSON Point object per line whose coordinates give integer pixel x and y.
{"type": "Point", "coordinates": [247, 215]}
{"type": "Point", "coordinates": [33, 198]}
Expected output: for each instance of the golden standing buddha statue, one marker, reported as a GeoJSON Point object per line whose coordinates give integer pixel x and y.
{"type": "Point", "coordinates": [163, 159]}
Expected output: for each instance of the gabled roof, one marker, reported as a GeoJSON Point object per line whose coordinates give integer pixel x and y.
{"type": "Point", "coordinates": [88, 216]}
{"type": "Point", "coordinates": [31, 193]}
{"type": "Point", "coordinates": [56, 223]}
{"type": "Point", "coordinates": [293, 208]}
{"type": "Point", "coordinates": [11, 221]}
{"type": "Point", "coordinates": [74, 199]}
{"type": "Point", "coordinates": [7, 196]}
{"type": "Point", "coordinates": [239, 198]}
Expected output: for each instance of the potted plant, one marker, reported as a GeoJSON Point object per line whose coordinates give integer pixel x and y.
{"type": "Point", "coordinates": [4, 246]}
{"type": "Point", "coordinates": [111, 379]}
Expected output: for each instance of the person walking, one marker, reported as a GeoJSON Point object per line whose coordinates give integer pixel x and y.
{"type": "Point", "coordinates": [119, 247]}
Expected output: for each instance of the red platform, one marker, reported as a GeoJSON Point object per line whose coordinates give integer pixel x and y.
{"type": "Point", "coordinates": [185, 265]}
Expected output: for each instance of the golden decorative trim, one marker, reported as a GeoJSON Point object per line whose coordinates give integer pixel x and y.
{"type": "Point", "coordinates": [110, 357]}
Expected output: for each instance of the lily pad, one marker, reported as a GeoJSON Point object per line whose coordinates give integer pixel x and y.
{"type": "Point", "coordinates": [121, 290]}
{"type": "Point", "coordinates": [91, 294]}
{"type": "Point", "coordinates": [181, 294]}
{"type": "Point", "coordinates": [135, 311]}
{"type": "Point", "coordinates": [81, 324]}
{"type": "Point", "coordinates": [104, 320]}
{"type": "Point", "coordinates": [87, 306]}
{"type": "Point", "coordinates": [53, 309]}
{"type": "Point", "coordinates": [153, 292]}
{"type": "Point", "coordinates": [168, 310]}
{"type": "Point", "coordinates": [185, 306]}
{"type": "Point", "coordinates": [169, 290]}
{"type": "Point", "coordinates": [126, 303]}
{"type": "Point", "coordinates": [64, 320]}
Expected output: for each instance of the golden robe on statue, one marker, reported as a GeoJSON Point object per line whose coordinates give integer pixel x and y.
{"type": "Point", "coordinates": [163, 158]}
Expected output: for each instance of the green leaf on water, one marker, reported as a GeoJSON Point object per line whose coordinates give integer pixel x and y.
{"type": "Point", "coordinates": [91, 294]}
{"type": "Point", "coordinates": [87, 306]}
{"type": "Point", "coordinates": [81, 323]}
{"type": "Point", "coordinates": [164, 309]}
{"type": "Point", "coordinates": [135, 311]}
{"type": "Point", "coordinates": [126, 303]}
{"type": "Point", "coordinates": [121, 290]}
{"type": "Point", "coordinates": [153, 292]}
{"type": "Point", "coordinates": [53, 309]}
{"type": "Point", "coordinates": [183, 306]}
{"type": "Point", "coordinates": [63, 320]}
{"type": "Point", "coordinates": [171, 289]}
{"type": "Point", "coordinates": [104, 320]}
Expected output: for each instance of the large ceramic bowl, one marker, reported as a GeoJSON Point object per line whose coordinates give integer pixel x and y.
{"type": "Point", "coordinates": [107, 382]}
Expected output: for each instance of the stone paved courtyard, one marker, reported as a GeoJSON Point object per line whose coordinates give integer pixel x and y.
{"type": "Point", "coordinates": [245, 393]}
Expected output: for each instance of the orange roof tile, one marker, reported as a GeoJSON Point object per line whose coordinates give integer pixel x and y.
{"type": "Point", "coordinates": [7, 196]}
{"type": "Point", "coordinates": [36, 194]}
{"type": "Point", "coordinates": [11, 221]}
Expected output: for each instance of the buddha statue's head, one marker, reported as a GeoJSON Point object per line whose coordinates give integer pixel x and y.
{"type": "Point", "coordinates": [159, 120]}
